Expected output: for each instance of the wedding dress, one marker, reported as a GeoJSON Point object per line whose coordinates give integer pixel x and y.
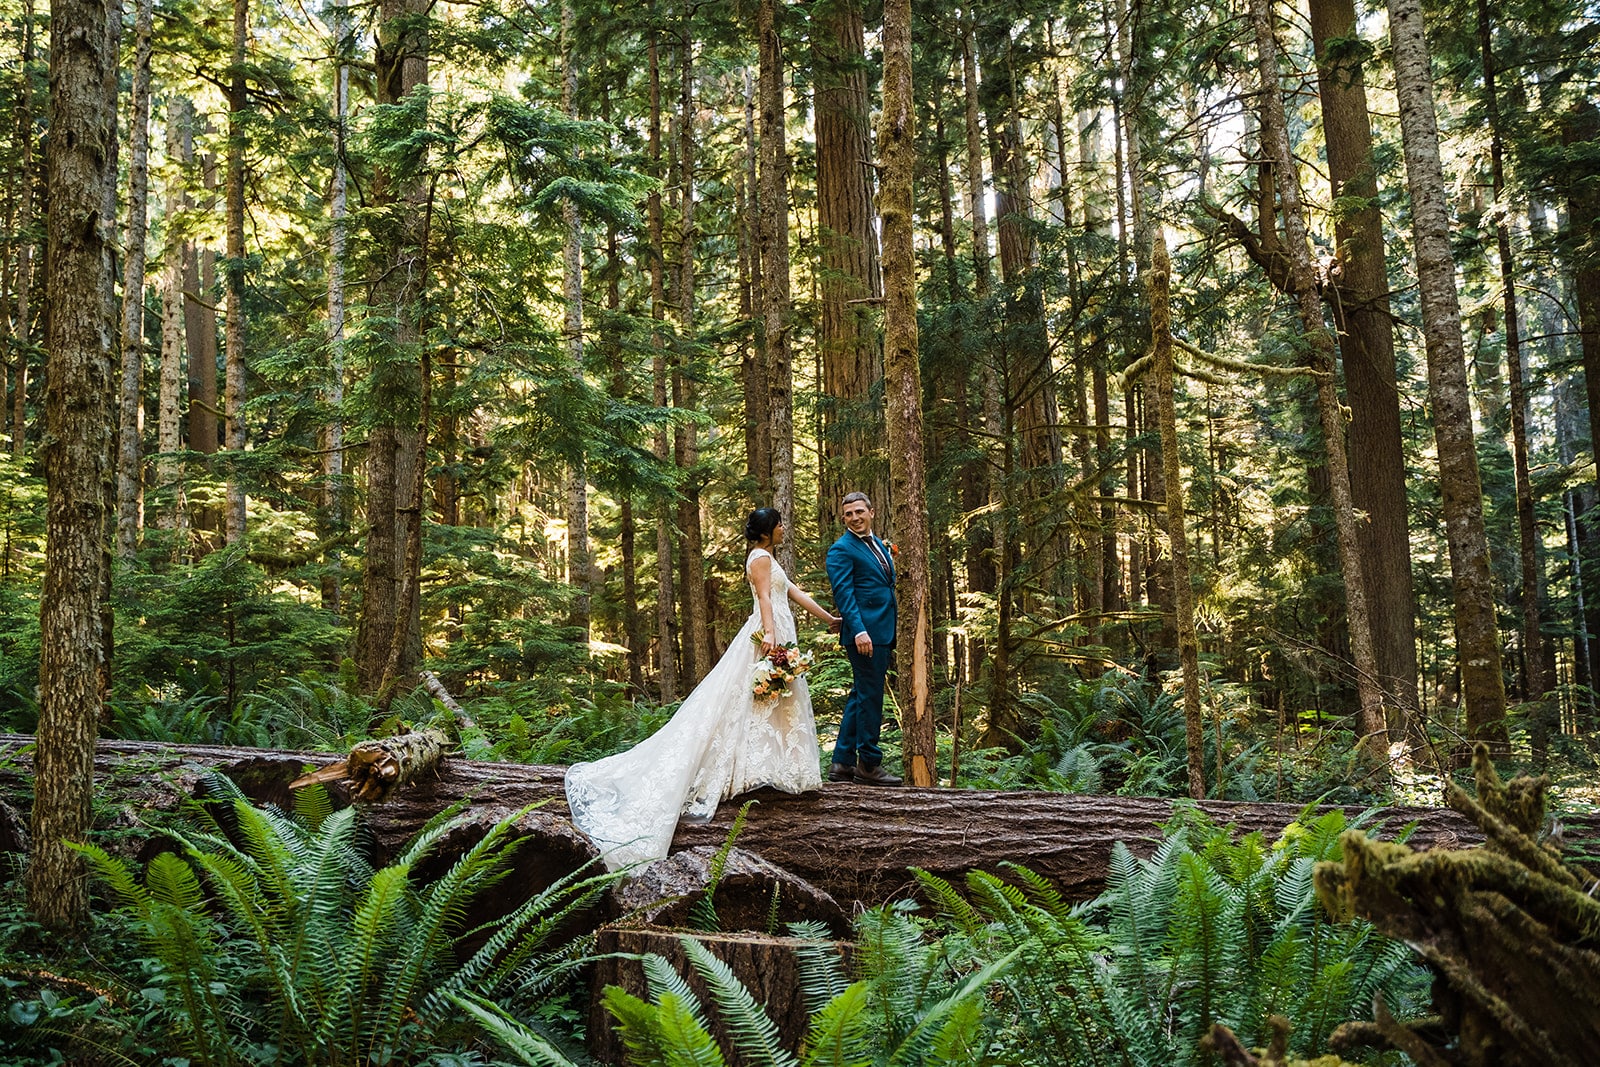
{"type": "Point", "coordinates": [721, 741]}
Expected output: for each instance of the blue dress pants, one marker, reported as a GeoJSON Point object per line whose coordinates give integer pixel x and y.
{"type": "Point", "coordinates": [862, 720]}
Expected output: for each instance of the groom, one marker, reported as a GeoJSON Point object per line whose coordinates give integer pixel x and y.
{"type": "Point", "coordinates": [861, 570]}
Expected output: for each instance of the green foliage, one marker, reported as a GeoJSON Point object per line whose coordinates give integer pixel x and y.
{"type": "Point", "coordinates": [274, 939]}
{"type": "Point", "coordinates": [910, 1008]}
{"type": "Point", "coordinates": [703, 913]}
{"type": "Point", "coordinates": [1205, 930]}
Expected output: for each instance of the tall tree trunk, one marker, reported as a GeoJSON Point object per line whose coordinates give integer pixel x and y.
{"type": "Point", "coordinates": [200, 327]}
{"type": "Point", "coordinates": [22, 332]}
{"type": "Point", "coordinates": [903, 396]}
{"type": "Point", "coordinates": [169, 514]}
{"type": "Point", "coordinates": [774, 251]}
{"type": "Point", "coordinates": [233, 403]}
{"type": "Point", "coordinates": [401, 69]}
{"type": "Point", "coordinates": [753, 358]}
{"type": "Point", "coordinates": [692, 574]}
{"type": "Point", "coordinates": [1361, 314]}
{"type": "Point", "coordinates": [572, 295]}
{"type": "Point", "coordinates": [333, 475]}
{"type": "Point", "coordinates": [1477, 640]}
{"type": "Point", "coordinates": [1303, 272]}
{"type": "Point", "coordinates": [130, 476]}
{"type": "Point", "coordinates": [666, 615]}
{"type": "Point", "coordinates": [851, 362]}
{"type": "Point", "coordinates": [80, 325]}
{"type": "Point", "coordinates": [1536, 685]}
{"type": "Point", "coordinates": [1160, 281]}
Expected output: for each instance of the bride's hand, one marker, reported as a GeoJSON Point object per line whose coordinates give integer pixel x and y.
{"type": "Point", "coordinates": [768, 646]}
{"type": "Point", "coordinates": [834, 623]}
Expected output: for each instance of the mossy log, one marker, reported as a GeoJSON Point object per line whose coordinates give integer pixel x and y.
{"type": "Point", "coordinates": [1510, 929]}
{"type": "Point", "coordinates": [378, 766]}
{"type": "Point", "coordinates": [851, 842]}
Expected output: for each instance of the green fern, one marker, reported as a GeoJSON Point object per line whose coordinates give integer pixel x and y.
{"type": "Point", "coordinates": [703, 912]}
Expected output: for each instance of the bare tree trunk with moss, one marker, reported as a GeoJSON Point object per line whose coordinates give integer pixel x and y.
{"type": "Point", "coordinates": [1303, 286]}
{"type": "Point", "coordinates": [333, 473]}
{"type": "Point", "coordinates": [1477, 638]}
{"type": "Point", "coordinates": [168, 481]}
{"type": "Point", "coordinates": [903, 396]}
{"type": "Point", "coordinates": [1535, 684]}
{"type": "Point", "coordinates": [572, 295]}
{"type": "Point", "coordinates": [76, 451]}
{"type": "Point", "coordinates": [22, 331]}
{"type": "Point", "coordinates": [1160, 280]}
{"type": "Point", "coordinates": [699, 655]}
{"type": "Point", "coordinates": [1359, 300]}
{"type": "Point", "coordinates": [753, 358]}
{"type": "Point", "coordinates": [130, 459]}
{"type": "Point", "coordinates": [774, 250]}
{"type": "Point", "coordinates": [666, 616]}
{"type": "Point", "coordinates": [233, 341]}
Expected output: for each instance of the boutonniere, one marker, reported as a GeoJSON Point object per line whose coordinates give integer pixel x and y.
{"type": "Point", "coordinates": [894, 549]}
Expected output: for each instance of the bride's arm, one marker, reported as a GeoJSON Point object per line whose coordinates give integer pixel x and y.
{"type": "Point", "coordinates": [760, 570]}
{"type": "Point", "coordinates": [803, 598]}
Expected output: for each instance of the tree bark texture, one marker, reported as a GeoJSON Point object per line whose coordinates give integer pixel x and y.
{"type": "Point", "coordinates": [666, 615]}
{"type": "Point", "coordinates": [572, 295]}
{"type": "Point", "coordinates": [753, 358]}
{"type": "Point", "coordinates": [1159, 280]}
{"type": "Point", "coordinates": [169, 394]}
{"type": "Point", "coordinates": [903, 398]}
{"type": "Point", "coordinates": [333, 467]}
{"type": "Point", "coordinates": [1535, 684]}
{"type": "Point", "coordinates": [200, 325]}
{"type": "Point", "coordinates": [848, 283]}
{"type": "Point", "coordinates": [1320, 345]}
{"type": "Point", "coordinates": [873, 834]}
{"type": "Point", "coordinates": [1477, 639]}
{"type": "Point", "coordinates": [402, 66]}
{"type": "Point", "coordinates": [76, 451]}
{"type": "Point", "coordinates": [22, 331]}
{"type": "Point", "coordinates": [774, 252]}
{"type": "Point", "coordinates": [233, 402]}
{"type": "Point", "coordinates": [130, 430]}
{"type": "Point", "coordinates": [1360, 303]}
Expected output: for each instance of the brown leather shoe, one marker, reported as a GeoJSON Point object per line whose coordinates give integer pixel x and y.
{"type": "Point", "coordinates": [875, 776]}
{"type": "Point", "coordinates": [841, 772]}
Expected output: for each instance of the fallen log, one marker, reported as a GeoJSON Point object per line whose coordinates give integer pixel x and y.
{"type": "Point", "coordinates": [851, 842]}
{"type": "Point", "coordinates": [378, 766]}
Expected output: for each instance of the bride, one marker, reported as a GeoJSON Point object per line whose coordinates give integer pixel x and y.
{"type": "Point", "coordinates": [721, 741]}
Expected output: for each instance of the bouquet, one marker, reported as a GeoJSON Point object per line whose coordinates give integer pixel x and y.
{"type": "Point", "coordinates": [772, 674]}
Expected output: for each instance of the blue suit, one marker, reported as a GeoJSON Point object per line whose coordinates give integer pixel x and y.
{"type": "Point", "coordinates": [863, 593]}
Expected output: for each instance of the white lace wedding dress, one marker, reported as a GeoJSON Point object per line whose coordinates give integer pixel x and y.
{"type": "Point", "coordinates": [721, 742]}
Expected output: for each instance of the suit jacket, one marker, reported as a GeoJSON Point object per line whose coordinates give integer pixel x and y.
{"type": "Point", "coordinates": [863, 594]}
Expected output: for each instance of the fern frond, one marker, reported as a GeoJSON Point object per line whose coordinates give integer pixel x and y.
{"type": "Point", "coordinates": [529, 1046]}
{"type": "Point", "coordinates": [662, 979]}
{"type": "Point", "coordinates": [684, 1040]}
{"type": "Point", "coordinates": [822, 973]}
{"type": "Point", "coordinates": [839, 1034]}
{"type": "Point", "coordinates": [638, 1024]}
{"type": "Point", "coordinates": [753, 1032]}
{"type": "Point", "coordinates": [914, 1048]}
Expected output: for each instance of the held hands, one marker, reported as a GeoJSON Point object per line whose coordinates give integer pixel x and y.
{"type": "Point", "coordinates": [834, 623]}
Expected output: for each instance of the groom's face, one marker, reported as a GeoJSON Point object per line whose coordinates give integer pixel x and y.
{"type": "Point", "coordinates": [857, 517]}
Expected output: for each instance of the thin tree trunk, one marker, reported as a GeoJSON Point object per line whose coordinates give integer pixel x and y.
{"type": "Point", "coordinates": [774, 251]}
{"type": "Point", "coordinates": [666, 615]}
{"type": "Point", "coordinates": [81, 322]}
{"type": "Point", "coordinates": [233, 403]}
{"type": "Point", "coordinates": [169, 512]}
{"type": "Point", "coordinates": [903, 396]}
{"type": "Point", "coordinates": [1536, 685]}
{"type": "Point", "coordinates": [23, 330]}
{"type": "Point", "coordinates": [572, 295]}
{"type": "Point", "coordinates": [697, 609]}
{"type": "Point", "coordinates": [849, 281]}
{"type": "Point", "coordinates": [200, 329]}
{"type": "Point", "coordinates": [1160, 280]}
{"type": "Point", "coordinates": [1275, 139]}
{"type": "Point", "coordinates": [130, 475]}
{"type": "Point", "coordinates": [1360, 302]}
{"type": "Point", "coordinates": [333, 490]}
{"type": "Point", "coordinates": [1477, 639]}
{"type": "Point", "coordinates": [753, 359]}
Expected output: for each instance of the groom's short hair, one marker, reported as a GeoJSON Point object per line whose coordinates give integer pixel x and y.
{"type": "Point", "coordinates": [851, 498]}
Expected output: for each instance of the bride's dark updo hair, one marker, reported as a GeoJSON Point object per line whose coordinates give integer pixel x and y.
{"type": "Point", "coordinates": [761, 523]}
